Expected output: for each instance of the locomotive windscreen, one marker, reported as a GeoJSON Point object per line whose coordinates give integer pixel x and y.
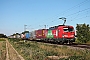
{"type": "Point", "coordinates": [68, 29]}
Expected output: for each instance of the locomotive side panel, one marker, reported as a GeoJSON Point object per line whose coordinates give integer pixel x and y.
{"type": "Point", "coordinates": [49, 34]}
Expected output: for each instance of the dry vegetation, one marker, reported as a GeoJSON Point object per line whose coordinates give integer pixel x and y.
{"type": "Point", "coordinates": [32, 50]}
{"type": "Point", "coordinates": [2, 49]}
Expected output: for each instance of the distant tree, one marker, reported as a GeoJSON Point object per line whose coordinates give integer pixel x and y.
{"type": "Point", "coordinates": [17, 33]}
{"type": "Point", "coordinates": [83, 33]}
{"type": "Point", "coordinates": [89, 34]}
{"type": "Point", "coordinates": [3, 36]}
{"type": "Point", "coordinates": [25, 32]}
{"type": "Point", "coordinates": [13, 34]}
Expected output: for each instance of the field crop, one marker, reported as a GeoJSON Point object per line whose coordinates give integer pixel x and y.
{"type": "Point", "coordinates": [2, 49]}
{"type": "Point", "coordinates": [32, 50]}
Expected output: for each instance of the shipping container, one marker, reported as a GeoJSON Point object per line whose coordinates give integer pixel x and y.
{"type": "Point", "coordinates": [22, 36]}
{"type": "Point", "coordinates": [27, 35]}
{"type": "Point", "coordinates": [32, 35]}
{"type": "Point", "coordinates": [41, 34]}
{"type": "Point", "coordinates": [14, 36]}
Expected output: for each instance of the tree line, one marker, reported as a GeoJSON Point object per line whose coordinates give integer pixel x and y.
{"type": "Point", "coordinates": [20, 33]}
{"type": "Point", "coordinates": [3, 36]}
{"type": "Point", "coordinates": [83, 33]}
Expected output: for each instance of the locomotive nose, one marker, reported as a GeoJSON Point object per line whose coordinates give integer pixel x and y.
{"type": "Point", "coordinates": [68, 34]}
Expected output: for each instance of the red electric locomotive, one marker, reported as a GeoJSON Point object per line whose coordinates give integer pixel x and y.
{"type": "Point", "coordinates": [63, 34]}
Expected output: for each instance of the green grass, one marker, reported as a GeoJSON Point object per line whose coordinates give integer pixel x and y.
{"type": "Point", "coordinates": [32, 50]}
{"type": "Point", "coordinates": [2, 40]}
{"type": "Point", "coordinates": [88, 42]}
{"type": "Point", "coordinates": [78, 41]}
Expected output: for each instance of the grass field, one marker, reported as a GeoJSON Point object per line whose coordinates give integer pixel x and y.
{"type": "Point", "coordinates": [32, 50]}
{"type": "Point", "coordinates": [2, 49]}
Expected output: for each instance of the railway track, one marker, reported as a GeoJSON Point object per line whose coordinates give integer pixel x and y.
{"type": "Point", "coordinates": [73, 45]}
{"type": "Point", "coordinates": [84, 46]}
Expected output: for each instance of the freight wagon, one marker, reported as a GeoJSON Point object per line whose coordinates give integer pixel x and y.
{"type": "Point", "coordinates": [22, 36]}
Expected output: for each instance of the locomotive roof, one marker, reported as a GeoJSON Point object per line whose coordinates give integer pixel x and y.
{"type": "Point", "coordinates": [42, 29]}
{"type": "Point", "coordinates": [54, 27]}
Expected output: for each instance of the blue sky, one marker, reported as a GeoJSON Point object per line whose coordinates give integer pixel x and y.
{"type": "Point", "coordinates": [14, 14]}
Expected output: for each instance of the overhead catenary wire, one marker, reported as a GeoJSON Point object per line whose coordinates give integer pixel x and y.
{"type": "Point", "coordinates": [77, 15]}
{"type": "Point", "coordinates": [77, 18]}
{"type": "Point", "coordinates": [76, 6]}
{"type": "Point", "coordinates": [78, 12]}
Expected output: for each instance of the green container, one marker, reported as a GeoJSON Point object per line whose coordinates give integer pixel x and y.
{"type": "Point", "coordinates": [49, 34]}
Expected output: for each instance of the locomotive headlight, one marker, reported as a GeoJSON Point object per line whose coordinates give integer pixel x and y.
{"type": "Point", "coordinates": [63, 35]}
{"type": "Point", "coordinates": [72, 35]}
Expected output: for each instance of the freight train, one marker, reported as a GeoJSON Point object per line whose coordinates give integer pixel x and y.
{"type": "Point", "coordinates": [59, 34]}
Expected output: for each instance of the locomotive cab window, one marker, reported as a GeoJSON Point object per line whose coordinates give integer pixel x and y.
{"type": "Point", "coordinates": [68, 29]}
